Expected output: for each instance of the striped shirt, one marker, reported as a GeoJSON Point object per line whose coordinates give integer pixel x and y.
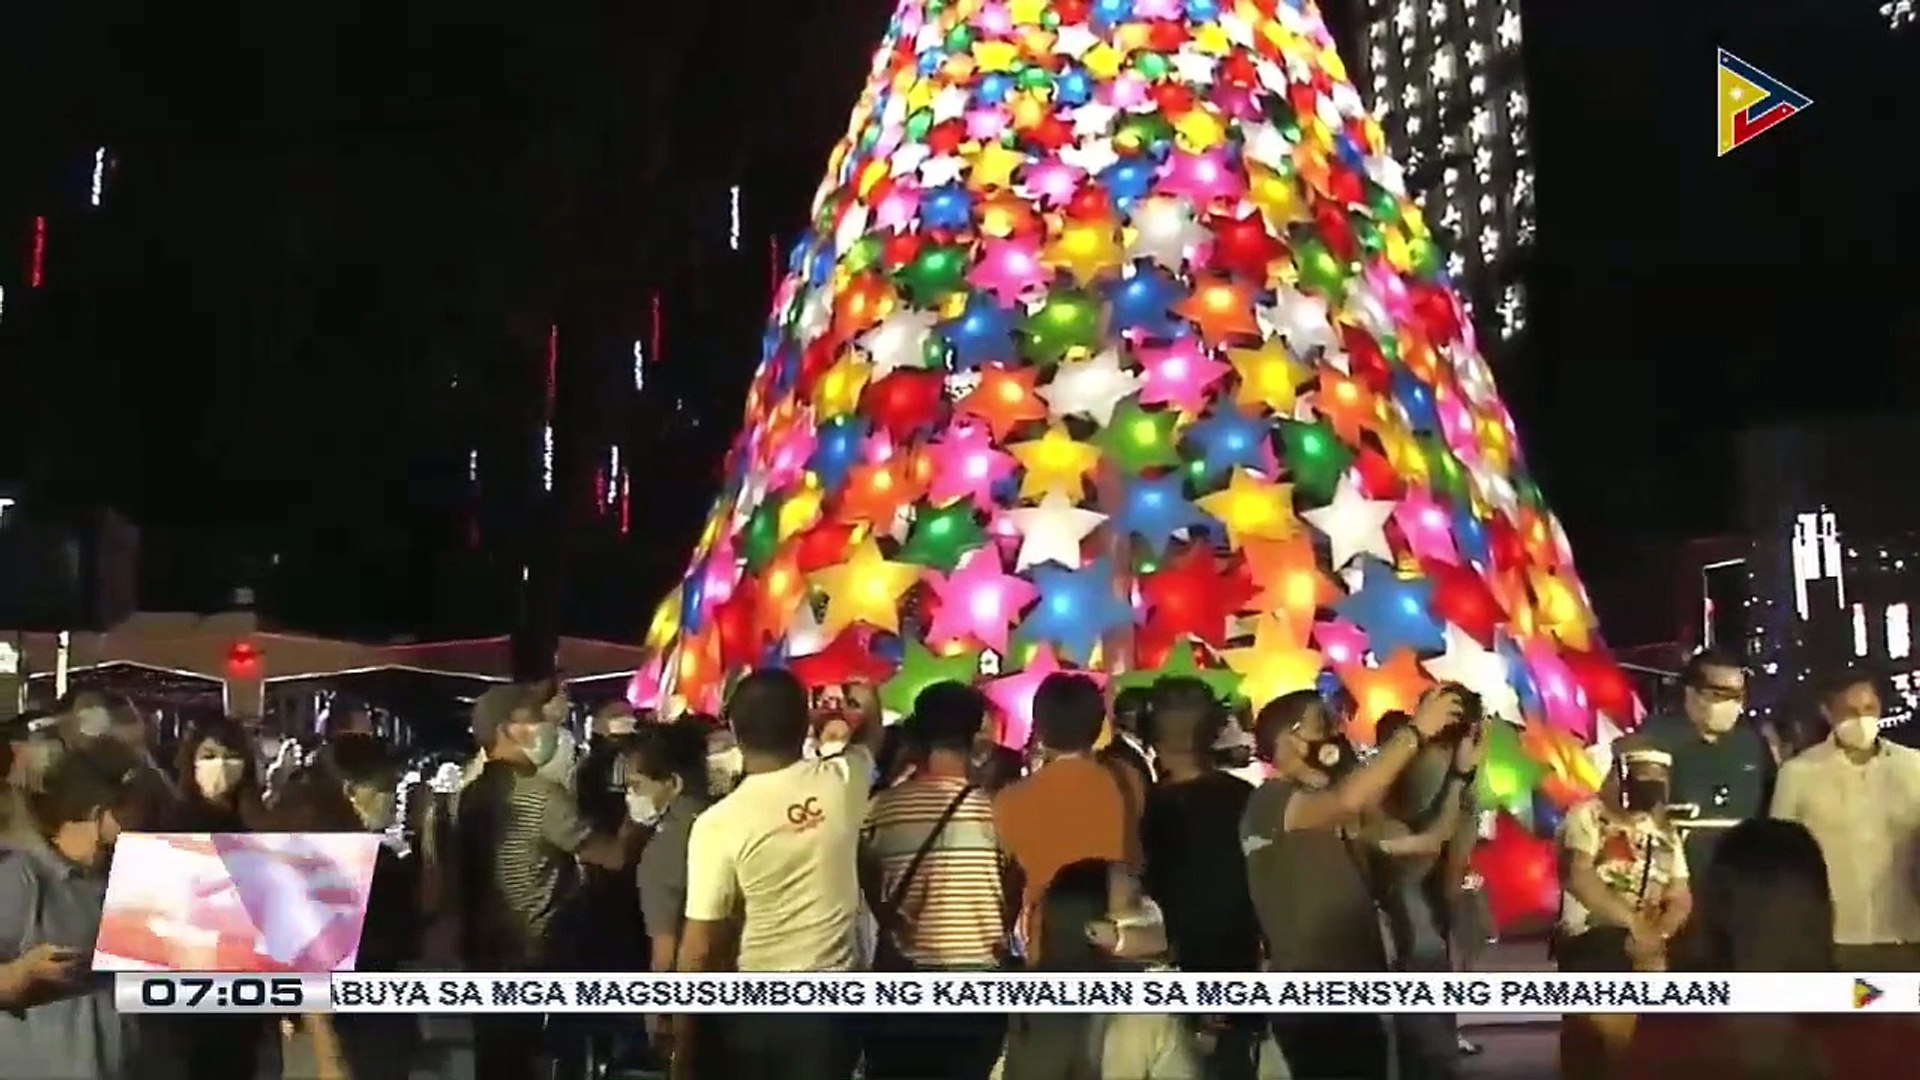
{"type": "Point", "coordinates": [517, 835]}
{"type": "Point", "coordinates": [952, 915]}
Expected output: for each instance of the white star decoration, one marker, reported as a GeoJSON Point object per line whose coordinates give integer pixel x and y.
{"type": "Point", "coordinates": [900, 341]}
{"type": "Point", "coordinates": [1090, 387]}
{"type": "Point", "coordinates": [1165, 231]}
{"type": "Point", "coordinates": [1052, 531]}
{"type": "Point", "coordinates": [1480, 670]}
{"type": "Point", "coordinates": [1353, 524]}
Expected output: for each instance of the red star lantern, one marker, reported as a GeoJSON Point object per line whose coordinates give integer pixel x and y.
{"type": "Point", "coordinates": [1221, 309]}
{"type": "Point", "coordinates": [1005, 398]}
{"type": "Point", "coordinates": [1609, 691]}
{"type": "Point", "coordinates": [905, 402]}
{"type": "Point", "coordinates": [734, 626]}
{"type": "Point", "coordinates": [1378, 478]}
{"type": "Point", "coordinates": [1242, 245]}
{"type": "Point", "coordinates": [845, 659]}
{"type": "Point", "coordinates": [1193, 596]}
{"type": "Point", "coordinates": [1521, 875]}
{"type": "Point", "coordinates": [823, 545]}
{"type": "Point", "coordinates": [1509, 552]}
{"type": "Point", "coordinates": [1365, 362]}
{"type": "Point", "coordinates": [899, 249]}
{"type": "Point", "coordinates": [1433, 308]}
{"type": "Point", "coordinates": [1461, 597]}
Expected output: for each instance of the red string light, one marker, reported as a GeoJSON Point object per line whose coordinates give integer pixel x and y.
{"type": "Point", "coordinates": [773, 262]}
{"type": "Point", "coordinates": [37, 274]}
{"type": "Point", "coordinates": [626, 502]}
{"type": "Point", "coordinates": [653, 344]}
{"type": "Point", "coordinates": [553, 368]}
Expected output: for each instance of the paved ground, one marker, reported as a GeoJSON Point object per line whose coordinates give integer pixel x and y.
{"type": "Point", "coordinates": [1515, 1052]}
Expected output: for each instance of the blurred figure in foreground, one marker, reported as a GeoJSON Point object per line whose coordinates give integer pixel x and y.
{"type": "Point", "coordinates": [1764, 905]}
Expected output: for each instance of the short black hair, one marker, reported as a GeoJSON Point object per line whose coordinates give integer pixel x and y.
{"type": "Point", "coordinates": [947, 716]}
{"type": "Point", "coordinates": [669, 751]}
{"type": "Point", "coordinates": [1279, 716]}
{"type": "Point", "coordinates": [1694, 672]}
{"type": "Point", "coordinates": [1842, 681]}
{"type": "Point", "coordinates": [1068, 712]}
{"type": "Point", "coordinates": [1390, 724]}
{"type": "Point", "coordinates": [1133, 702]}
{"type": "Point", "coordinates": [1185, 715]}
{"type": "Point", "coordinates": [768, 712]}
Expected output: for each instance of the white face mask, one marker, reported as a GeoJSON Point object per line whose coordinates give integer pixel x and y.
{"type": "Point", "coordinates": [1857, 732]}
{"type": "Point", "coordinates": [93, 722]}
{"type": "Point", "coordinates": [216, 776]}
{"type": "Point", "coordinates": [1722, 715]}
{"type": "Point", "coordinates": [723, 768]}
{"type": "Point", "coordinates": [642, 809]}
{"type": "Point", "coordinates": [559, 767]}
{"type": "Point", "coordinates": [833, 748]}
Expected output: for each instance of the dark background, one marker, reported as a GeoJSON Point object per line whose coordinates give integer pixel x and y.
{"type": "Point", "coordinates": [334, 240]}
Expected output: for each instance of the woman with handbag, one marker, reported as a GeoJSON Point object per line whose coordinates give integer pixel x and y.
{"type": "Point", "coordinates": [1624, 878]}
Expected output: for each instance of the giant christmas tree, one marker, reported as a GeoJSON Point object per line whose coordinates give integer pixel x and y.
{"type": "Point", "coordinates": [1117, 344]}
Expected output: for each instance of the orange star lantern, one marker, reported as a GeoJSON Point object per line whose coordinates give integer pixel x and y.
{"type": "Point", "coordinates": [1005, 398]}
{"type": "Point", "coordinates": [1395, 684]}
{"type": "Point", "coordinates": [1278, 662]}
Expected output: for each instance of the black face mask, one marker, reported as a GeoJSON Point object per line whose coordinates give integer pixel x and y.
{"type": "Point", "coordinates": [1643, 795]}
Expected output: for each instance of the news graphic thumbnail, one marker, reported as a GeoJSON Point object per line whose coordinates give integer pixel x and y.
{"type": "Point", "coordinates": [1865, 993]}
{"type": "Point", "coordinates": [253, 902]}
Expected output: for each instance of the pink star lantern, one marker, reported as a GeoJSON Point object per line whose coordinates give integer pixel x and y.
{"type": "Point", "coordinates": [978, 601]}
{"type": "Point", "coordinates": [1145, 10]}
{"type": "Point", "coordinates": [1202, 177]}
{"type": "Point", "coordinates": [1180, 375]}
{"type": "Point", "coordinates": [1054, 181]}
{"type": "Point", "coordinates": [1009, 269]}
{"type": "Point", "coordinates": [1340, 642]}
{"type": "Point", "coordinates": [897, 210]}
{"type": "Point", "coordinates": [994, 21]}
{"type": "Point", "coordinates": [1391, 290]}
{"type": "Point", "coordinates": [643, 692]}
{"type": "Point", "coordinates": [966, 464]}
{"type": "Point", "coordinates": [722, 574]}
{"type": "Point", "coordinates": [1456, 423]}
{"type": "Point", "coordinates": [1127, 91]}
{"type": "Point", "coordinates": [1013, 696]}
{"type": "Point", "coordinates": [1237, 102]}
{"type": "Point", "coordinates": [789, 457]}
{"type": "Point", "coordinates": [985, 125]}
{"type": "Point", "coordinates": [1560, 694]}
{"type": "Point", "coordinates": [1427, 526]}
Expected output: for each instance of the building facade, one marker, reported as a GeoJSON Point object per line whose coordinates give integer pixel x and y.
{"type": "Point", "coordinates": [1445, 80]}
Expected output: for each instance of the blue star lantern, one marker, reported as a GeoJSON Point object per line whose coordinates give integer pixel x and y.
{"type": "Point", "coordinates": [1395, 612]}
{"type": "Point", "coordinates": [982, 333]}
{"type": "Point", "coordinates": [836, 449]}
{"type": "Point", "coordinates": [1154, 510]}
{"type": "Point", "coordinates": [1229, 439]}
{"type": "Point", "coordinates": [1077, 608]}
{"type": "Point", "coordinates": [1142, 302]}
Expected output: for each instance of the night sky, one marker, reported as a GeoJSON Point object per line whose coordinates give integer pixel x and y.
{"type": "Point", "coordinates": [311, 217]}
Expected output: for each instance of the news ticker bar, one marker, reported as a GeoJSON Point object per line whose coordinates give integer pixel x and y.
{"type": "Point", "coordinates": [1145, 992]}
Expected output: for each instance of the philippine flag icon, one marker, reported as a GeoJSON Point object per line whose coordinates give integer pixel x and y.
{"type": "Point", "coordinates": [1864, 993]}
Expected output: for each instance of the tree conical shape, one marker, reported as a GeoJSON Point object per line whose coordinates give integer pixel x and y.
{"type": "Point", "coordinates": [1117, 344]}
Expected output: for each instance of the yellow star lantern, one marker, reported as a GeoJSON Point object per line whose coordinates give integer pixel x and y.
{"type": "Point", "coordinates": [1395, 685]}
{"type": "Point", "coordinates": [1252, 508]}
{"type": "Point", "coordinates": [1026, 12]}
{"type": "Point", "coordinates": [1199, 131]}
{"type": "Point", "coordinates": [665, 622]}
{"type": "Point", "coordinates": [1086, 249]}
{"type": "Point", "coordinates": [1270, 377]}
{"type": "Point", "coordinates": [1278, 662]}
{"type": "Point", "coordinates": [993, 166]}
{"type": "Point", "coordinates": [1054, 464]}
{"type": "Point", "coordinates": [996, 57]}
{"type": "Point", "coordinates": [864, 589]}
{"type": "Point", "coordinates": [800, 510]}
{"type": "Point", "coordinates": [1276, 197]}
{"type": "Point", "coordinates": [838, 391]}
{"type": "Point", "coordinates": [1561, 609]}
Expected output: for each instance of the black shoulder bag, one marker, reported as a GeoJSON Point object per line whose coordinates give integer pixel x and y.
{"type": "Point", "coordinates": [887, 955]}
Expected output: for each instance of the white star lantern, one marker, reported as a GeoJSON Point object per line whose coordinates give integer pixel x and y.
{"type": "Point", "coordinates": [1091, 388]}
{"type": "Point", "coordinates": [1052, 532]}
{"type": "Point", "coordinates": [1480, 670]}
{"type": "Point", "coordinates": [899, 342]}
{"type": "Point", "coordinates": [1353, 524]}
{"type": "Point", "coordinates": [1164, 231]}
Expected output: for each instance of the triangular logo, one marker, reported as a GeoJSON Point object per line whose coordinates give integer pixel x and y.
{"type": "Point", "coordinates": [1751, 101]}
{"type": "Point", "coordinates": [1864, 993]}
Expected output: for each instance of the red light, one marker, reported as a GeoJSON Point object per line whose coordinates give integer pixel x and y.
{"type": "Point", "coordinates": [243, 661]}
{"type": "Point", "coordinates": [773, 262]}
{"type": "Point", "coordinates": [553, 368]}
{"type": "Point", "coordinates": [37, 275]}
{"type": "Point", "coordinates": [653, 345]}
{"type": "Point", "coordinates": [599, 492]}
{"type": "Point", "coordinates": [626, 504]}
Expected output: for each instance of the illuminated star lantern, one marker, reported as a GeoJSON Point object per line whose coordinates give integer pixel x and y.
{"type": "Point", "coordinates": [1353, 525]}
{"type": "Point", "coordinates": [1277, 663]}
{"type": "Point", "coordinates": [1165, 231]}
{"type": "Point", "coordinates": [966, 465]}
{"type": "Point", "coordinates": [1091, 388]}
{"type": "Point", "coordinates": [1052, 532]}
{"type": "Point", "coordinates": [899, 342]}
{"type": "Point", "coordinates": [1180, 374]}
{"type": "Point", "coordinates": [1396, 612]}
{"type": "Point", "coordinates": [1480, 670]}
{"type": "Point", "coordinates": [1269, 378]}
{"type": "Point", "coordinates": [1157, 511]}
{"type": "Point", "coordinates": [1075, 610]}
{"type": "Point", "coordinates": [1288, 578]}
{"type": "Point", "coordinates": [1252, 508]}
{"type": "Point", "coordinates": [1395, 685]}
{"type": "Point", "coordinates": [978, 602]}
{"type": "Point", "coordinates": [1054, 464]}
{"type": "Point", "coordinates": [864, 589]}
{"type": "Point", "coordinates": [1013, 696]}
{"type": "Point", "coordinates": [921, 668]}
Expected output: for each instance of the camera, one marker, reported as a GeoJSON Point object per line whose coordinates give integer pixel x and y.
{"type": "Point", "coordinates": [1473, 711]}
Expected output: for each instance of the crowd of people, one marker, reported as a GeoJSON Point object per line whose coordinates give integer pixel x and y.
{"type": "Point", "coordinates": [801, 833]}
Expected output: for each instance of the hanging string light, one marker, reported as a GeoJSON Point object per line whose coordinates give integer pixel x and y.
{"type": "Point", "coordinates": [733, 218]}
{"type": "Point", "coordinates": [37, 270]}
{"type": "Point", "coordinates": [99, 175]}
{"type": "Point", "coordinates": [1899, 13]}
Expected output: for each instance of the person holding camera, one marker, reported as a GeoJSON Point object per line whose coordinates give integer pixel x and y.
{"type": "Point", "coordinates": [1311, 864]}
{"type": "Point", "coordinates": [1426, 833]}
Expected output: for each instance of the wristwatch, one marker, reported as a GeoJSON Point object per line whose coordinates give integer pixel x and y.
{"type": "Point", "coordinates": [1465, 777]}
